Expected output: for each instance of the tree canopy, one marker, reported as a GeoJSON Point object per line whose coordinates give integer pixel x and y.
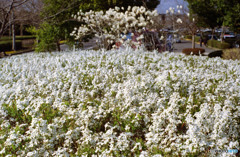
{"type": "Point", "coordinates": [206, 12]}
{"type": "Point", "coordinates": [213, 13]}
{"type": "Point", "coordinates": [106, 4]}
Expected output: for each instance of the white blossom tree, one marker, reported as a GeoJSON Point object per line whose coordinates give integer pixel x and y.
{"type": "Point", "coordinates": [182, 20]}
{"type": "Point", "coordinates": [112, 26]}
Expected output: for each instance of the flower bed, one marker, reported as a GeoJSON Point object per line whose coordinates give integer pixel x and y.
{"type": "Point", "coordinates": [118, 103]}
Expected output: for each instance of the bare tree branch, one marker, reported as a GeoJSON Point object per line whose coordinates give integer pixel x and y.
{"type": "Point", "coordinates": [25, 12]}
{"type": "Point", "coordinates": [72, 5]}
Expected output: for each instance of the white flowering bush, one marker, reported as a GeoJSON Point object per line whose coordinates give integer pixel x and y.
{"type": "Point", "coordinates": [108, 26]}
{"type": "Point", "coordinates": [118, 103]}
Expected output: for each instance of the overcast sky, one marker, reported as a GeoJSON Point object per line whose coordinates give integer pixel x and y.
{"type": "Point", "coordinates": [166, 4]}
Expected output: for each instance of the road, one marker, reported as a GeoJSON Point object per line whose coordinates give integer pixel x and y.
{"type": "Point", "coordinates": [178, 47]}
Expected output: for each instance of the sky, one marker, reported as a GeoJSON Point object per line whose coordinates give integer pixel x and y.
{"type": "Point", "coordinates": [166, 4]}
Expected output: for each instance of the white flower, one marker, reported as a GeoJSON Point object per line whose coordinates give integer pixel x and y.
{"type": "Point", "coordinates": [2, 151]}
{"type": "Point", "coordinates": [179, 20]}
{"type": "Point", "coordinates": [115, 100]}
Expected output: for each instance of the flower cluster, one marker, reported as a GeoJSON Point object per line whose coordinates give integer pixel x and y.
{"type": "Point", "coordinates": [108, 26]}
{"type": "Point", "coordinates": [118, 103]}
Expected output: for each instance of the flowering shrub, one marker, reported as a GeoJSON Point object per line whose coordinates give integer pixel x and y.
{"type": "Point", "coordinates": [231, 54]}
{"type": "Point", "coordinates": [112, 103]}
{"type": "Point", "coordinates": [108, 26]}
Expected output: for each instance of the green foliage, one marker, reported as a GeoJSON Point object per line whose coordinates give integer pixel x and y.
{"type": "Point", "coordinates": [18, 37]}
{"type": "Point", "coordinates": [233, 54]}
{"type": "Point", "coordinates": [218, 44]}
{"type": "Point", "coordinates": [6, 42]}
{"type": "Point", "coordinates": [48, 37]}
{"type": "Point", "coordinates": [20, 118]}
{"type": "Point", "coordinates": [97, 5]}
{"type": "Point", "coordinates": [48, 112]}
{"type": "Point", "coordinates": [188, 37]}
{"type": "Point", "coordinates": [213, 13]}
{"type": "Point", "coordinates": [7, 45]}
{"type": "Point", "coordinates": [150, 4]}
{"type": "Point", "coordinates": [206, 12]}
{"type": "Point", "coordinates": [19, 115]}
{"type": "Point", "coordinates": [57, 18]}
{"type": "Point", "coordinates": [197, 38]}
{"type": "Point", "coordinates": [229, 12]}
{"type": "Point", "coordinates": [57, 24]}
{"type": "Point", "coordinates": [233, 18]}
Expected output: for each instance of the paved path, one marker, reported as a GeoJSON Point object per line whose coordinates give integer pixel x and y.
{"type": "Point", "coordinates": [86, 45]}
{"type": "Point", "coordinates": [178, 47]}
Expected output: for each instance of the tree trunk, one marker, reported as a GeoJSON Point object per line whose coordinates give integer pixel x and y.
{"type": "Point", "coordinates": [13, 34]}
{"type": "Point", "coordinates": [222, 34]}
{"type": "Point", "coordinates": [58, 46]}
{"type": "Point", "coordinates": [10, 28]}
{"type": "Point", "coordinates": [21, 29]}
{"type": "Point", "coordinates": [212, 33]}
{"type": "Point", "coordinates": [10, 34]}
{"type": "Point", "coordinates": [193, 41]}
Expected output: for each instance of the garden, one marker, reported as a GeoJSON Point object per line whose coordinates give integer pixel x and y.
{"type": "Point", "coordinates": [121, 99]}
{"type": "Point", "coordinates": [119, 102]}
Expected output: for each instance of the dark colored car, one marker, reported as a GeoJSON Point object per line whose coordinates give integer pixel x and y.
{"type": "Point", "coordinates": [238, 36]}
{"type": "Point", "coordinates": [214, 37]}
{"type": "Point", "coordinates": [237, 44]}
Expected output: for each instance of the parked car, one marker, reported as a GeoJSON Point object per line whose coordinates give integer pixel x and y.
{"type": "Point", "coordinates": [229, 35]}
{"type": "Point", "coordinates": [238, 36]}
{"type": "Point", "coordinates": [237, 44]}
{"type": "Point", "coordinates": [177, 38]}
{"type": "Point", "coordinates": [214, 37]}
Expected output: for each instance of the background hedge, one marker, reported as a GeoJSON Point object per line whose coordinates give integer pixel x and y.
{"type": "Point", "coordinates": [7, 45]}
{"type": "Point", "coordinates": [233, 54]}
{"type": "Point", "coordinates": [6, 38]}
{"type": "Point", "coordinates": [218, 44]}
{"type": "Point", "coordinates": [197, 38]}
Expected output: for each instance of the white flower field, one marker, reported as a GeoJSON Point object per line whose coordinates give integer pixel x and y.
{"type": "Point", "coordinates": [118, 103]}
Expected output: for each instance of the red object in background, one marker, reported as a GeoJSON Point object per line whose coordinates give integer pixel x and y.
{"type": "Point", "coordinates": [118, 44]}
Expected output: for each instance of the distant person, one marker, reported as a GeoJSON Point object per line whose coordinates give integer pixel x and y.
{"type": "Point", "coordinates": [205, 41]}
{"type": "Point", "coordinates": [201, 40]}
{"type": "Point", "coordinates": [169, 43]}
{"type": "Point", "coordinates": [129, 36]}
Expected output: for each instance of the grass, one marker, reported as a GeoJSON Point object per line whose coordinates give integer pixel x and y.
{"type": "Point", "coordinates": [6, 38]}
